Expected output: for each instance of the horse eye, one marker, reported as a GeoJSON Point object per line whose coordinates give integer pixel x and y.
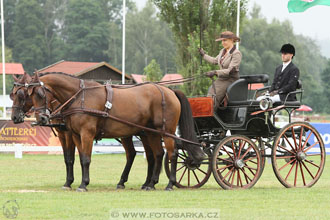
{"type": "Point", "coordinates": [20, 94]}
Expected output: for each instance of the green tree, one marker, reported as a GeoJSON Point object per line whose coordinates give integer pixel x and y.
{"type": "Point", "coordinates": [325, 95]}
{"type": "Point", "coordinates": [148, 38]}
{"type": "Point", "coordinates": [153, 72]}
{"type": "Point", "coordinates": [187, 20]}
{"type": "Point", "coordinates": [9, 78]}
{"type": "Point", "coordinates": [28, 35]}
{"type": "Point", "coordinates": [85, 31]}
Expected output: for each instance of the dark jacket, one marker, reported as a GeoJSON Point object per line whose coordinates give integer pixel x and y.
{"type": "Point", "coordinates": [286, 81]}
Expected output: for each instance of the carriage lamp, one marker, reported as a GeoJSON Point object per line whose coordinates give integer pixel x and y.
{"type": "Point", "coordinates": [266, 102]}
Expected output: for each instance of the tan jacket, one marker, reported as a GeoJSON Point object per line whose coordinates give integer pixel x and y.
{"type": "Point", "coordinates": [228, 64]}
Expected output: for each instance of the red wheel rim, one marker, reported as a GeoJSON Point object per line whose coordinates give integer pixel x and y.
{"type": "Point", "coordinates": [236, 163]}
{"type": "Point", "coordinates": [298, 155]}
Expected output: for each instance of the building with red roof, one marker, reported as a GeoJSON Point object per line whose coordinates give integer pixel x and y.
{"type": "Point", "coordinates": [13, 68]}
{"type": "Point", "coordinates": [99, 72]}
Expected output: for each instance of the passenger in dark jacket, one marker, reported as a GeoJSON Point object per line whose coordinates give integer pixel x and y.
{"type": "Point", "coordinates": [286, 77]}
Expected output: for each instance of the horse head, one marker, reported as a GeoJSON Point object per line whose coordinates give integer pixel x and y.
{"type": "Point", "coordinates": [42, 99]}
{"type": "Point", "coordinates": [22, 103]}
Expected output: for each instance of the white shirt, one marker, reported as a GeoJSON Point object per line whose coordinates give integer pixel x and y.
{"type": "Point", "coordinates": [285, 65]}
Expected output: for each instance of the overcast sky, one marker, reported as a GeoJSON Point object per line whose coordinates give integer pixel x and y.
{"type": "Point", "coordinates": [313, 23]}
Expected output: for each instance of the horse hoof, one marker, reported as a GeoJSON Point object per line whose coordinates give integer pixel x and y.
{"type": "Point", "coordinates": [149, 188]}
{"type": "Point", "coordinates": [120, 186]}
{"type": "Point", "coordinates": [67, 188]}
{"type": "Point", "coordinates": [81, 190]}
{"type": "Point", "coordinates": [168, 189]}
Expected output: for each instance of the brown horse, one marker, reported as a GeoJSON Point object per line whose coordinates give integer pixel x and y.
{"type": "Point", "coordinates": [146, 105]}
{"type": "Point", "coordinates": [22, 103]}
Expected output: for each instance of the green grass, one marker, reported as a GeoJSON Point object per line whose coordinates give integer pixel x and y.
{"type": "Point", "coordinates": [45, 174]}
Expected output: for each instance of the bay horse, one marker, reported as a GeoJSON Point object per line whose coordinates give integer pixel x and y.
{"type": "Point", "coordinates": [147, 105]}
{"type": "Point", "coordinates": [22, 103]}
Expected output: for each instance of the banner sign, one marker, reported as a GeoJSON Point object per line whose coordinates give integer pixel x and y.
{"type": "Point", "coordinates": [24, 133]}
{"type": "Point", "coordinates": [324, 130]}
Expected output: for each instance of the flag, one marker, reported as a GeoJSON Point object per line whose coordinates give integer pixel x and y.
{"type": "Point", "coordinates": [303, 5]}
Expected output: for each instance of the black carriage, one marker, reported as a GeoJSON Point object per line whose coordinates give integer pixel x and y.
{"type": "Point", "coordinates": [239, 137]}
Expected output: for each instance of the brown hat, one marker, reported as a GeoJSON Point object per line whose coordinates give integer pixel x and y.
{"type": "Point", "coordinates": [228, 35]}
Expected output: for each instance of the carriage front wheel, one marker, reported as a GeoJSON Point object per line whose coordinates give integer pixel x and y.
{"type": "Point", "coordinates": [188, 174]}
{"type": "Point", "coordinates": [236, 163]}
{"type": "Point", "coordinates": [298, 155]}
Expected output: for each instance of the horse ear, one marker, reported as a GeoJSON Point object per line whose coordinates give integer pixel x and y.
{"type": "Point", "coordinates": [15, 78]}
{"type": "Point", "coordinates": [30, 90]}
{"type": "Point", "coordinates": [41, 92]}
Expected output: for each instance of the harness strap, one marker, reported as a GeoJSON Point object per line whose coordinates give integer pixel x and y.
{"type": "Point", "coordinates": [163, 108]}
{"type": "Point", "coordinates": [82, 87]}
{"type": "Point", "coordinates": [108, 106]}
{"type": "Point", "coordinates": [106, 115]}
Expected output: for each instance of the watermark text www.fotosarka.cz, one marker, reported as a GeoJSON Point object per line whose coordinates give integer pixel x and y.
{"type": "Point", "coordinates": [10, 209]}
{"type": "Point", "coordinates": [164, 213]}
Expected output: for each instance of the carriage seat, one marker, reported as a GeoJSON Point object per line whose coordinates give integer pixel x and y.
{"type": "Point", "coordinates": [238, 91]}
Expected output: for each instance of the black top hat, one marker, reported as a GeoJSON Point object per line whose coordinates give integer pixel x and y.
{"type": "Point", "coordinates": [288, 48]}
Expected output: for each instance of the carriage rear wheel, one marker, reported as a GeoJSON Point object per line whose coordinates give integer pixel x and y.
{"type": "Point", "coordinates": [188, 175]}
{"type": "Point", "coordinates": [298, 155]}
{"type": "Point", "coordinates": [236, 163]}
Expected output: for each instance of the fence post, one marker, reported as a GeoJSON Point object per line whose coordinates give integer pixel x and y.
{"type": "Point", "coordinates": [18, 151]}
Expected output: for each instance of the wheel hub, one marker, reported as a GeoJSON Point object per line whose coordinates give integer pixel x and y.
{"type": "Point", "coordinates": [239, 164]}
{"type": "Point", "coordinates": [301, 156]}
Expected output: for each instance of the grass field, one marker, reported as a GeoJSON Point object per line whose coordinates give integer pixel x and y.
{"type": "Point", "coordinates": [35, 183]}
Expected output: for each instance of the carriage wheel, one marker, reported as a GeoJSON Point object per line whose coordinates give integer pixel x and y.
{"type": "Point", "coordinates": [188, 175]}
{"type": "Point", "coordinates": [236, 163]}
{"type": "Point", "coordinates": [298, 155]}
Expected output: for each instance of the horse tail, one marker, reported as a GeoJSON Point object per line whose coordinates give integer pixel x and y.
{"type": "Point", "coordinates": [187, 128]}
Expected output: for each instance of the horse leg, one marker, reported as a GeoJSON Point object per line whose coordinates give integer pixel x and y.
{"type": "Point", "coordinates": [158, 152]}
{"type": "Point", "coordinates": [172, 155]}
{"type": "Point", "coordinates": [69, 156]}
{"type": "Point", "coordinates": [84, 144]}
{"type": "Point", "coordinates": [130, 155]}
{"type": "Point", "coordinates": [172, 180]}
{"type": "Point", "coordinates": [150, 159]}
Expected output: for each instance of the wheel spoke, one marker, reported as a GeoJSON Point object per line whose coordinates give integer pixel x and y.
{"type": "Point", "coordinates": [230, 171]}
{"type": "Point", "coordinates": [183, 174]}
{"type": "Point", "coordinates": [310, 155]}
{"type": "Point", "coordinates": [308, 161]}
{"type": "Point", "coordinates": [229, 161]}
{"type": "Point", "coordinates": [227, 153]}
{"type": "Point", "coordinates": [246, 152]}
{"type": "Point", "coordinates": [180, 168]}
{"type": "Point", "coordinates": [246, 176]}
{"type": "Point", "coordinates": [250, 159]}
{"type": "Point", "coordinates": [285, 149]}
{"type": "Point", "coordinates": [196, 176]}
{"type": "Point", "coordinates": [181, 156]}
{"type": "Point", "coordinates": [239, 180]}
{"type": "Point", "coordinates": [306, 141]}
{"type": "Point", "coordinates": [294, 138]}
{"type": "Point", "coordinates": [222, 168]}
{"type": "Point", "coordinates": [251, 171]}
{"type": "Point", "coordinates": [240, 148]}
{"type": "Point", "coordinates": [300, 138]}
{"type": "Point", "coordinates": [252, 168]}
{"type": "Point", "coordinates": [232, 180]}
{"type": "Point", "coordinates": [310, 147]}
{"type": "Point", "coordinates": [287, 164]}
{"type": "Point", "coordinates": [290, 171]}
{"type": "Point", "coordinates": [284, 157]}
{"type": "Point", "coordinates": [286, 138]}
{"type": "Point", "coordinates": [295, 175]}
{"type": "Point", "coordinates": [302, 174]}
{"type": "Point", "coordinates": [188, 177]}
{"type": "Point", "coordinates": [233, 147]}
{"type": "Point", "coordinates": [202, 171]}
{"type": "Point", "coordinates": [307, 169]}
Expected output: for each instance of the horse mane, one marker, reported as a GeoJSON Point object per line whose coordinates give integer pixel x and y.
{"type": "Point", "coordinates": [62, 73]}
